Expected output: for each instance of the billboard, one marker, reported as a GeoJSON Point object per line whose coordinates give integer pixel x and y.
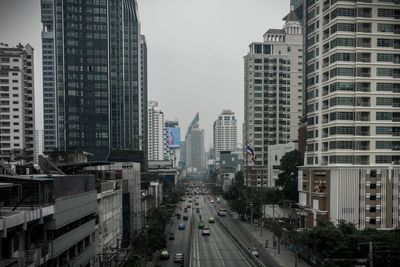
{"type": "Point", "coordinates": [173, 137]}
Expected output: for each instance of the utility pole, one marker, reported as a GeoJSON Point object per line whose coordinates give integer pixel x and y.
{"type": "Point", "coordinates": [371, 254]}
{"type": "Point", "coordinates": [273, 225]}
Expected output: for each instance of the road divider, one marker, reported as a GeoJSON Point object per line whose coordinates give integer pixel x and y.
{"type": "Point", "coordinates": [246, 251]}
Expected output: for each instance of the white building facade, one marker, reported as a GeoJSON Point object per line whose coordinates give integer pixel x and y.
{"type": "Point", "coordinates": [156, 134]}
{"type": "Point", "coordinates": [225, 133]}
{"type": "Point", "coordinates": [17, 108]}
{"type": "Point", "coordinates": [275, 154]}
{"type": "Point", "coordinates": [273, 94]}
{"type": "Point", "coordinates": [352, 160]}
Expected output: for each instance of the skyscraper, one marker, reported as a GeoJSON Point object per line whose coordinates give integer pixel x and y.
{"type": "Point", "coordinates": [225, 133]}
{"type": "Point", "coordinates": [156, 134]}
{"type": "Point", "coordinates": [17, 111]}
{"type": "Point", "coordinates": [353, 136]}
{"type": "Point", "coordinates": [195, 158]}
{"type": "Point", "coordinates": [92, 76]}
{"type": "Point", "coordinates": [143, 97]}
{"type": "Point", "coordinates": [273, 94]}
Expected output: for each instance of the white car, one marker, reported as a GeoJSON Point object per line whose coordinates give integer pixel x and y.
{"type": "Point", "coordinates": [212, 201]}
{"type": "Point", "coordinates": [164, 255]}
{"type": "Point", "coordinates": [254, 252]}
{"type": "Point", "coordinates": [205, 231]}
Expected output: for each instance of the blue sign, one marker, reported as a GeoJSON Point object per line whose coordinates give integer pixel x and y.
{"type": "Point", "coordinates": [174, 137]}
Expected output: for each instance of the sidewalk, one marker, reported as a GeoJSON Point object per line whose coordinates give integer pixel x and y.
{"type": "Point", "coordinates": [285, 257]}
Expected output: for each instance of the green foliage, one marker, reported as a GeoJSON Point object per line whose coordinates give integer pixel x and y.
{"type": "Point", "coordinates": [287, 179]}
{"type": "Point", "coordinates": [345, 242]}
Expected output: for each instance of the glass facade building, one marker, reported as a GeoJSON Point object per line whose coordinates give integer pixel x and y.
{"type": "Point", "coordinates": [91, 76]}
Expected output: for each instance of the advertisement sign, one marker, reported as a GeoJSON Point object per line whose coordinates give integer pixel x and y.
{"type": "Point", "coordinates": [173, 137]}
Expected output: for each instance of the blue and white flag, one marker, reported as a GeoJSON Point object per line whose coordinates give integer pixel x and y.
{"type": "Point", "coordinates": [251, 152]}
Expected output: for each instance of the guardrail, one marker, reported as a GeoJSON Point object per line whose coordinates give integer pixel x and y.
{"type": "Point", "coordinates": [254, 260]}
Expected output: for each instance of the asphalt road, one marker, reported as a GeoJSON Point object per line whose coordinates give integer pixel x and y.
{"type": "Point", "coordinates": [181, 244]}
{"type": "Point", "coordinates": [247, 239]}
{"type": "Point", "coordinates": [216, 249]}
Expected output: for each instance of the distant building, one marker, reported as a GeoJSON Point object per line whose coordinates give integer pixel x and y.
{"type": "Point", "coordinates": [225, 133]}
{"type": "Point", "coordinates": [227, 168]}
{"type": "Point", "coordinates": [172, 145]}
{"type": "Point", "coordinates": [275, 154]}
{"type": "Point", "coordinates": [273, 94]}
{"type": "Point", "coordinates": [143, 97]}
{"type": "Point", "coordinates": [92, 93]}
{"type": "Point", "coordinates": [17, 104]}
{"type": "Point", "coordinates": [39, 143]}
{"type": "Point", "coordinates": [194, 145]}
{"type": "Point", "coordinates": [156, 134]}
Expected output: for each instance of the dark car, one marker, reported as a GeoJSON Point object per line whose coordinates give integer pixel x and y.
{"type": "Point", "coordinates": [171, 236]}
{"type": "Point", "coordinates": [197, 210]}
{"type": "Point", "coordinates": [181, 226]}
{"type": "Point", "coordinates": [185, 217]}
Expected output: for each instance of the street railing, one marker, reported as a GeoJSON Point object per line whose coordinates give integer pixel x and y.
{"type": "Point", "coordinates": [253, 259]}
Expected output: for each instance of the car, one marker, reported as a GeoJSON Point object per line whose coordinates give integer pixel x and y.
{"type": "Point", "coordinates": [189, 206]}
{"type": "Point", "coordinates": [201, 225]}
{"type": "Point", "coordinates": [185, 210]}
{"type": "Point", "coordinates": [164, 255]}
{"type": "Point", "coordinates": [218, 199]}
{"type": "Point", "coordinates": [212, 201]}
{"type": "Point", "coordinates": [211, 220]}
{"type": "Point", "coordinates": [190, 201]}
{"type": "Point", "coordinates": [185, 217]}
{"type": "Point", "coordinates": [179, 258]}
{"type": "Point", "coordinates": [197, 210]}
{"type": "Point", "coordinates": [205, 231]}
{"type": "Point", "coordinates": [254, 252]}
{"type": "Point", "coordinates": [181, 226]}
{"type": "Point", "coordinates": [222, 212]}
{"type": "Point", "coordinates": [171, 236]}
{"type": "Point", "coordinates": [196, 203]}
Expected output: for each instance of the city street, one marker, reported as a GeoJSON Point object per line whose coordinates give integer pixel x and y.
{"type": "Point", "coordinates": [217, 249]}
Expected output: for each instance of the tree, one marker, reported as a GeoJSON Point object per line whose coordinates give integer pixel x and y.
{"type": "Point", "coordinates": [287, 179]}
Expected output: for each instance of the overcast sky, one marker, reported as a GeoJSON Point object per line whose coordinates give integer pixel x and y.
{"type": "Point", "coordinates": [195, 51]}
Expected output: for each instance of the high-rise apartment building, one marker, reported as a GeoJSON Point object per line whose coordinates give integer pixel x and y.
{"type": "Point", "coordinates": [17, 104]}
{"type": "Point", "coordinates": [225, 133]}
{"type": "Point", "coordinates": [273, 94]}
{"type": "Point", "coordinates": [195, 158]}
{"type": "Point", "coordinates": [352, 160]}
{"type": "Point", "coordinates": [156, 136]}
{"type": "Point", "coordinates": [92, 76]}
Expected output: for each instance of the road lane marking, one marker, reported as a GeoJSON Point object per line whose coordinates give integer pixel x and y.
{"type": "Point", "coordinates": [219, 252]}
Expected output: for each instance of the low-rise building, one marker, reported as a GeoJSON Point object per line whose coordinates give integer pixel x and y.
{"type": "Point", "coordinates": [47, 220]}
{"type": "Point", "coordinates": [275, 154]}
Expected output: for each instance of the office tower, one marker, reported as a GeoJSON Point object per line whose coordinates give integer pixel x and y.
{"type": "Point", "coordinates": [172, 145]}
{"type": "Point", "coordinates": [17, 106]}
{"type": "Point", "coordinates": [38, 144]}
{"type": "Point", "coordinates": [91, 76]}
{"type": "Point", "coordinates": [194, 146]}
{"type": "Point", "coordinates": [143, 98]}
{"type": "Point", "coordinates": [156, 136]}
{"type": "Point", "coordinates": [273, 94]}
{"type": "Point", "coordinates": [225, 133]}
{"type": "Point", "coordinates": [352, 160]}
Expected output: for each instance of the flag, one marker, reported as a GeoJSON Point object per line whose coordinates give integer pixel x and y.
{"type": "Point", "coordinates": [251, 152]}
